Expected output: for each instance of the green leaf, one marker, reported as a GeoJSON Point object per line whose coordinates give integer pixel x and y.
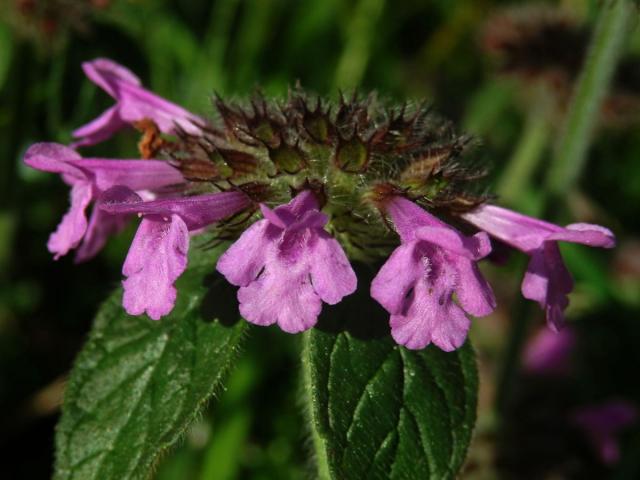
{"type": "Point", "coordinates": [138, 384]}
{"type": "Point", "coordinates": [382, 411]}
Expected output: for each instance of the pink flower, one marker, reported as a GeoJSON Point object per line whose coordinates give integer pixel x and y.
{"type": "Point", "coordinates": [549, 353]}
{"type": "Point", "coordinates": [286, 265]}
{"type": "Point", "coordinates": [158, 254]}
{"type": "Point", "coordinates": [88, 178]}
{"type": "Point", "coordinates": [602, 424]}
{"type": "Point", "coordinates": [417, 283]}
{"type": "Point", "coordinates": [547, 280]}
{"type": "Point", "coordinates": [134, 103]}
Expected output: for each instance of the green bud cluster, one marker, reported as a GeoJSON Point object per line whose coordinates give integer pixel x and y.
{"type": "Point", "coordinates": [351, 153]}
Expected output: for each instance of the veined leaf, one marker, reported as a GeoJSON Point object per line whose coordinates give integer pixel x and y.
{"type": "Point", "coordinates": [382, 411]}
{"type": "Point", "coordinates": [138, 384]}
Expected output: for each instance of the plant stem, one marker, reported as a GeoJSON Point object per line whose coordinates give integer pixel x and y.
{"type": "Point", "coordinates": [590, 90]}
{"type": "Point", "coordinates": [321, 460]}
{"type": "Point", "coordinates": [521, 316]}
{"type": "Point", "coordinates": [527, 155]}
{"type": "Point", "coordinates": [354, 59]}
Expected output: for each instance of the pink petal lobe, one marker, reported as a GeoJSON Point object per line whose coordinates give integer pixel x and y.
{"type": "Point", "coordinates": [101, 227]}
{"type": "Point", "coordinates": [99, 129]}
{"type": "Point", "coordinates": [547, 281]}
{"type": "Point", "coordinates": [586, 234]}
{"type": "Point", "coordinates": [243, 260]}
{"type": "Point", "coordinates": [430, 318]}
{"type": "Point", "coordinates": [137, 103]}
{"type": "Point", "coordinates": [520, 231]}
{"type": "Point", "coordinates": [472, 290]}
{"type": "Point", "coordinates": [408, 218]}
{"type": "Point", "coordinates": [156, 258]}
{"type": "Point", "coordinates": [282, 294]}
{"type": "Point", "coordinates": [134, 174]}
{"type": "Point", "coordinates": [197, 212]}
{"type": "Point", "coordinates": [106, 73]}
{"type": "Point", "coordinates": [74, 224]}
{"type": "Point", "coordinates": [474, 248]}
{"type": "Point", "coordinates": [54, 158]}
{"type": "Point", "coordinates": [331, 273]}
{"type": "Point", "coordinates": [396, 277]}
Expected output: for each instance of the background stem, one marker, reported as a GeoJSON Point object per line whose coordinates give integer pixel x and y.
{"type": "Point", "coordinates": [592, 86]}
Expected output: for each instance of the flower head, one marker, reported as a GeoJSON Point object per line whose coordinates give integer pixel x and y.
{"type": "Point", "coordinates": [158, 254]}
{"type": "Point", "coordinates": [547, 280]}
{"type": "Point", "coordinates": [354, 159]}
{"type": "Point", "coordinates": [417, 283]}
{"type": "Point", "coordinates": [88, 179]}
{"type": "Point", "coordinates": [602, 423]}
{"type": "Point", "coordinates": [286, 265]}
{"type": "Point", "coordinates": [549, 353]}
{"type": "Point", "coordinates": [134, 103]}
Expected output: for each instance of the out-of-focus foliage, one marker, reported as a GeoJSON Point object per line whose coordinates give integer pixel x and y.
{"type": "Point", "coordinates": [186, 51]}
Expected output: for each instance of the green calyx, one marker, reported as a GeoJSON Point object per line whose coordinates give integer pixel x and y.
{"type": "Point", "coordinates": [347, 151]}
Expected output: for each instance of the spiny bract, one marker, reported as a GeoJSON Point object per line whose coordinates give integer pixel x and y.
{"type": "Point", "coordinates": [351, 153]}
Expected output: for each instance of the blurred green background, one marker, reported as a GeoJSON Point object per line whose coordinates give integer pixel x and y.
{"type": "Point", "coordinates": [409, 50]}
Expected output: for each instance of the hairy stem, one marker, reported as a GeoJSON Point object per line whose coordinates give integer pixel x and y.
{"type": "Point", "coordinates": [320, 452]}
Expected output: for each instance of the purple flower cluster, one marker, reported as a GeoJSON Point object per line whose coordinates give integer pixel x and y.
{"type": "Point", "coordinates": [287, 263]}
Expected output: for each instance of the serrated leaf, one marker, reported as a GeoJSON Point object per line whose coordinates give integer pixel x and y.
{"type": "Point", "coordinates": [382, 411]}
{"type": "Point", "coordinates": [138, 384]}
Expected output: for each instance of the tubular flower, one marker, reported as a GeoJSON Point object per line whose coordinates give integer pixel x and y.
{"type": "Point", "coordinates": [550, 353]}
{"type": "Point", "coordinates": [158, 254]}
{"type": "Point", "coordinates": [417, 283]}
{"type": "Point", "coordinates": [286, 265]}
{"type": "Point", "coordinates": [603, 423]}
{"type": "Point", "coordinates": [547, 280]}
{"type": "Point", "coordinates": [134, 103]}
{"type": "Point", "coordinates": [88, 179]}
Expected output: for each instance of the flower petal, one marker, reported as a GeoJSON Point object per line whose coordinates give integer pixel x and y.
{"type": "Point", "coordinates": [520, 231]}
{"type": "Point", "coordinates": [134, 103]}
{"type": "Point", "coordinates": [197, 212]}
{"type": "Point", "coordinates": [396, 277]}
{"type": "Point", "coordinates": [282, 294]}
{"type": "Point", "coordinates": [547, 281]}
{"type": "Point", "coordinates": [331, 273]}
{"type": "Point", "coordinates": [408, 218]}
{"type": "Point", "coordinates": [473, 291]}
{"type": "Point", "coordinates": [134, 174]}
{"type": "Point", "coordinates": [430, 317]}
{"type": "Point", "coordinates": [74, 224]}
{"type": "Point", "coordinates": [474, 248]}
{"type": "Point", "coordinates": [157, 257]}
{"type": "Point", "coordinates": [106, 74]}
{"type": "Point", "coordinates": [243, 261]}
{"type": "Point", "coordinates": [550, 353]}
{"type": "Point", "coordinates": [55, 158]}
{"type": "Point", "coordinates": [586, 234]}
{"type": "Point", "coordinates": [99, 129]}
{"type": "Point", "coordinates": [300, 212]}
{"type": "Point", "coordinates": [101, 226]}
